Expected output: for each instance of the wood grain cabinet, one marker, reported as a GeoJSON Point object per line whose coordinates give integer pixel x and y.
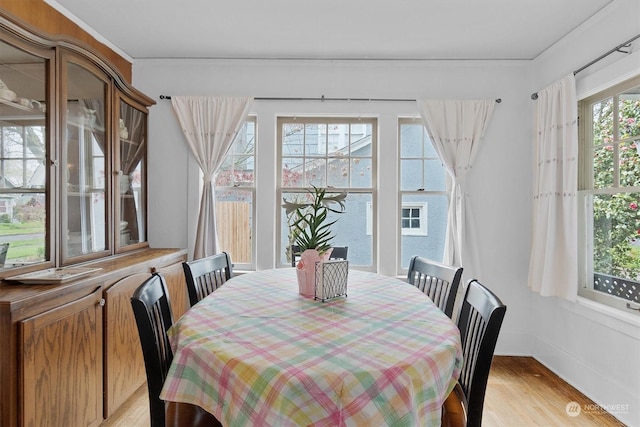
{"type": "Point", "coordinates": [70, 353]}
{"type": "Point", "coordinates": [62, 364]}
{"type": "Point", "coordinates": [124, 369]}
{"type": "Point", "coordinates": [123, 364]}
{"type": "Point", "coordinates": [73, 172]}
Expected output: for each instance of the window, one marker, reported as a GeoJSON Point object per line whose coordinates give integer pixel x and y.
{"type": "Point", "coordinates": [413, 219]}
{"type": "Point", "coordinates": [336, 153]}
{"type": "Point", "coordinates": [235, 195]}
{"type": "Point", "coordinates": [423, 195]}
{"type": "Point", "coordinates": [22, 188]}
{"type": "Point", "coordinates": [610, 195]}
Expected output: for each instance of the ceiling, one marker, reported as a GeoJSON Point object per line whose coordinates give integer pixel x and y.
{"type": "Point", "coordinates": [332, 29]}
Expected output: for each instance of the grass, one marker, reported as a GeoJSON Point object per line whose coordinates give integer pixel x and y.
{"type": "Point", "coordinates": [9, 229]}
{"type": "Point", "coordinates": [26, 250]}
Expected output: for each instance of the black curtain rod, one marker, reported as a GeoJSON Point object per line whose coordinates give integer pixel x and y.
{"type": "Point", "coordinates": [618, 48]}
{"type": "Point", "coordinates": [323, 98]}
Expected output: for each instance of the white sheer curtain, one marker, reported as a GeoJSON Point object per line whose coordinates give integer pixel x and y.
{"type": "Point", "coordinates": [456, 128]}
{"type": "Point", "coordinates": [210, 125]}
{"type": "Point", "coordinates": [553, 267]}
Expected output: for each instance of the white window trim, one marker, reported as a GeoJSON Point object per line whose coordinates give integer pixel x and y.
{"type": "Point", "coordinates": [373, 189]}
{"type": "Point", "coordinates": [247, 188]}
{"type": "Point", "coordinates": [610, 305]}
{"type": "Point", "coordinates": [424, 227]}
{"type": "Point", "coordinates": [424, 215]}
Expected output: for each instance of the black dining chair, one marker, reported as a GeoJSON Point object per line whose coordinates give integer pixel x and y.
{"type": "Point", "coordinates": [152, 310]}
{"type": "Point", "coordinates": [205, 275]}
{"type": "Point", "coordinates": [479, 322]}
{"type": "Point", "coordinates": [337, 253]}
{"type": "Point", "coordinates": [438, 281]}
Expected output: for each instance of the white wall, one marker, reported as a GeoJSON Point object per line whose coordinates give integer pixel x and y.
{"type": "Point", "coordinates": [592, 347]}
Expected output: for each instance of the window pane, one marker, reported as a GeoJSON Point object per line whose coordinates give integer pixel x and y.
{"type": "Point", "coordinates": [360, 140]}
{"type": "Point", "coordinates": [434, 175]}
{"type": "Point", "coordinates": [338, 173]}
{"type": "Point", "coordinates": [22, 228]}
{"type": "Point", "coordinates": [316, 172]}
{"type": "Point", "coordinates": [420, 167]}
{"type": "Point", "coordinates": [292, 139]}
{"type": "Point", "coordinates": [411, 141]}
{"type": "Point", "coordinates": [86, 226]}
{"type": "Point", "coordinates": [629, 114]}
{"type": "Point", "coordinates": [603, 122]}
{"type": "Point", "coordinates": [616, 235]}
{"type": "Point", "coordinates": [410, 175]}
{"type": "Point", "coordinates": [235, 195]}
{"type": "Point", "coordinates": [629, 164]}
{"type": "Point", "coordinates": [361, 173]}
{"type": "Point", "coordinates": [350, 230]}
{"type": "Point", "coordinates": [292, 172]}
{"type": "Point", "coordinates": [235, 223]}
{"type": "Point", "coordinates": [603, 166]}
{"type": "Point", "coordinates": [338, 140]}
{"type": "Point", "coordinates": [23, 173]}
{"type": "Point", "coordinates": [611, 222]}
{"type": "Point", "coordinates": [332, 153]}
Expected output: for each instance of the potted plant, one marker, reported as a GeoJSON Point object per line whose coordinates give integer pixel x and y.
{"type": "Point", "coordinates": [310, 230]}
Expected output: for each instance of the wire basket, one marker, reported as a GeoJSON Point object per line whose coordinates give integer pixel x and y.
{"type": "Point", "coordinates": [331, 279]}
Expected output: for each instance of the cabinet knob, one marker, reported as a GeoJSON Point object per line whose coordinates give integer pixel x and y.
{"type": "Point", "coordinates": [102, 302]}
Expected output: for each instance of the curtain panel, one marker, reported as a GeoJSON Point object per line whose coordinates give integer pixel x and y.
{"type": "Point", "coordinates": [209, 124]}
{"type": "Point", "coordinates": [553, 266]}
{"type": "Point", "coordinates": [456, 128]}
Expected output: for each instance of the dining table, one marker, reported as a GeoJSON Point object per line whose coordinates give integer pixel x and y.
{"type": "Point", "coordinates": [257, 353]}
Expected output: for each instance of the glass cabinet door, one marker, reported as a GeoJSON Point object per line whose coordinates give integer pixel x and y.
{"type": "Point", "coordinates": [25, 174]}
{"type": "Point", "coordinates": [131, 152]}
{"type": "Point", "coordinates": [85, 230]}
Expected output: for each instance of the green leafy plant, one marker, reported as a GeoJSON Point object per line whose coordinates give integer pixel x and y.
{"type": "Point", "coordinates": [310, 225]}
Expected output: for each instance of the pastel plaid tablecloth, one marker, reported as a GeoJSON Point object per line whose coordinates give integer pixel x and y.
{"type": "Point", "coordinates": [255, 353]}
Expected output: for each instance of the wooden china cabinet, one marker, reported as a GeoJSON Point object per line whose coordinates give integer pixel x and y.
{"type": "Point", "coordinates": [73, 153]}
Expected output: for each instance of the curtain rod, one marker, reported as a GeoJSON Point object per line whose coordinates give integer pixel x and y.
{"type": "Point", "coordinates": [323, 98]}
{"type": "Point", "coordinates": [618, 48]}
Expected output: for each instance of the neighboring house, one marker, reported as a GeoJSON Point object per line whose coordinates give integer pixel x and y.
{"type": "Point", "coordinates": [6, 207]}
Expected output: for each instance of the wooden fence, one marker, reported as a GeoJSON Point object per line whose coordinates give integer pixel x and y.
{"type": "Point", "coordinates": [234, 229]}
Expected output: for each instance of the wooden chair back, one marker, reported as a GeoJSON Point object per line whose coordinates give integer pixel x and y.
{"type": "Point", "coordinates": [205, 275]}
{"type": "Point", "coordinates": [480, 320]}
{"type": "Point", "coordinates": [337, 253]}
{"type": "Point", "coordinates": [152, 311]}
{"type": "Point", "coordinates": [438, 281]}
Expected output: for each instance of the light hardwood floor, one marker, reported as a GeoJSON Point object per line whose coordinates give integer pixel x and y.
{"type": "Point", "coordinates": [521, 392]}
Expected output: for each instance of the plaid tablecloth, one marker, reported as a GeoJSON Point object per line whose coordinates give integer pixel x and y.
{"type": "Point", "coordinates": [255, 353]}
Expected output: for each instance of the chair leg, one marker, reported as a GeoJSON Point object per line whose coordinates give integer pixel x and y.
{"type": "Point", "coordinates": [454, 409]}
{"type": "Point", "coordinates": [187, 415]}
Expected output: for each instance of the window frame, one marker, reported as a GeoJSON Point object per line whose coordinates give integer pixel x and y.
{"type": "Point", "coordinates": [242, 186]}
{"type": "Point", "coordinates": [586, 188]}
{"type": "Point", "coordinates": [414, 192]}
{"type": "Point", "coordinates": [280, 189]}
